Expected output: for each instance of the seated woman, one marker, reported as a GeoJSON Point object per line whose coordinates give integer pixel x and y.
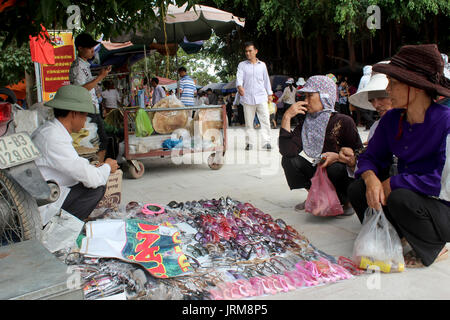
{"type": "Point", "coordinates": [372, 97]}
{"type": "Point", "coordinates": [320, 134]}
{"type": "Point", "coordinates": [417, 132]}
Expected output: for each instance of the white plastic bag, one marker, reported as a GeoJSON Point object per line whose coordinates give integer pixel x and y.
{"type": "Point", "coordinates": [61, 232]}
{"type": "Point", "coordinates": [378, 245]}
{"type": "Point", "coordinates": [92, 139]}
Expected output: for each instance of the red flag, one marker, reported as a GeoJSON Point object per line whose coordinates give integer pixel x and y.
{"type": "Point", "coordinates": [41, 49]}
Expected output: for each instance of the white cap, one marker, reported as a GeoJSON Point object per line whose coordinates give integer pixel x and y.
{"type": "Point", "coordinates": [290, 81]}
{"type": "Point", "coordinates": [301, 81]}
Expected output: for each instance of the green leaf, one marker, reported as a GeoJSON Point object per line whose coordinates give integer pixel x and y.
{"type": "Point", "coordinates": [48, 9]}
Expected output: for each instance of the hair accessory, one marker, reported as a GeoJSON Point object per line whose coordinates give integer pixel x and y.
{"type": "Point", "coordinates": [152, 209]}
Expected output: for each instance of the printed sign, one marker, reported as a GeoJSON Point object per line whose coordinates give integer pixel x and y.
{"type": "Point", "coordinates": [156, 249]}
{"type": "Point", "coordinates": [54, 76]}
{"type": "Point", "coordinates": [112, 196]}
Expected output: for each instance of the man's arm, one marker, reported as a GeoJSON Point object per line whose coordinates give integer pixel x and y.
{"type": "Point", "coordinates": [267, 84]}
{"type": "Point", "coordinates": [92, 84]}
{"type": "Point", "coordinates": [240, 80]}
{"type": "Point", "coordinates": [63, 157]}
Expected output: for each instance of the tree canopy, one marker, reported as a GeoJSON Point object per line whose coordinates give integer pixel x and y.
{"type": "Point", "coordinates": [315, 36]}
{"type": "Point", "coordinates": [298, 38]}
{"type": "Point", "coordinates": [108, 17]}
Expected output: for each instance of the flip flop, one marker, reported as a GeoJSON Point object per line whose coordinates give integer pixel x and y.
{"type": "Point", "coordinates": [300, 207]}
{"type": "Point", "coordinates": [411, 256]}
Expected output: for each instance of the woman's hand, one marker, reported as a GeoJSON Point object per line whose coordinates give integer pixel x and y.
{"type": "Point", "coordinates": [330, 158]}
{"type": "Point", "coordinates": [347, 156]}
{"type": "Point", "coordinates": [297, 108]}
{"type": "Point", "coordinates": [375, 194]}
{"type": "Point", "coordinates": [386, 188]}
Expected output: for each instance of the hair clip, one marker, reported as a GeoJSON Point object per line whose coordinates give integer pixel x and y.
{"type": "Point", "coordinates": [155, 209]}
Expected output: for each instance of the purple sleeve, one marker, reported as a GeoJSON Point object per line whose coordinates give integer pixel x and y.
{"type": "Point", "coordinates": [378, 155]}
{"type": "Point", "coordinates": [429, 183]}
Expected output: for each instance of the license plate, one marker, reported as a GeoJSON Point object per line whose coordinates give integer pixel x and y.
{"type": "Point", "coordinates": [17, 149]}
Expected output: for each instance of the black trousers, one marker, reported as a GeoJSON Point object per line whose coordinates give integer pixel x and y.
{"type": "Point", "coordinates": [81, 201]}
{"type": "Point", "coordinates": [344, 109]}
{"type": "Point", "coordinates": [423, 221]}
{"type": "Point", "coordinates": [299, 172]}
{"type": "Point", "coordinates": [367, 117]}
{"type": "Point", "coordinates": [241, 117]}
{"type": "Point", "coordinates": [229, 108]}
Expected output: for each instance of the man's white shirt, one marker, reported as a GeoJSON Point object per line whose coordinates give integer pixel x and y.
{"type": "Point", "coordinates": [254, 78]}
{"type": "Point", "coordinates": [60, 161]}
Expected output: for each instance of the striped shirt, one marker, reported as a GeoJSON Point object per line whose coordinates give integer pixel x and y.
{"type": "Point", "coordinates": [187, 88]}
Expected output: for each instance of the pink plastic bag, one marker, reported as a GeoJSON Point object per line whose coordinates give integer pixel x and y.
{"type": "Point", "coordinates": [322, 198]}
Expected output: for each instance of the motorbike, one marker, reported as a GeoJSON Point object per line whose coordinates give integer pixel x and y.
{"type": "Point", "coordinates": [22, 186]}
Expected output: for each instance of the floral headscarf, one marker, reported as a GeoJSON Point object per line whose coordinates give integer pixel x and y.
{"type": "Point", "coordinates": [315, 124]}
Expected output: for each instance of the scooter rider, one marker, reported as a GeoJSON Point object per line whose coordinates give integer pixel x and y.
{"type": "Point", "coordinates": [60, 161]}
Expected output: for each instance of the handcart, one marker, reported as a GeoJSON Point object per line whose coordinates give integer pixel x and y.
{"type": "Point", "coordinates": [136, 168]}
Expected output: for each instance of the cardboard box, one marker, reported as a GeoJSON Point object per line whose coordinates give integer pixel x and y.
{"type": "Point", "coordinates": [113, 193]}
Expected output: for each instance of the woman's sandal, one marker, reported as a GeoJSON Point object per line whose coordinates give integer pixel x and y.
{"type": "Point", "coordinates": [412, 261]}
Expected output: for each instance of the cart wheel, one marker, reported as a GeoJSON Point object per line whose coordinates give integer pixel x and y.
{"type": "Point", "coordinates": [136, 174]}
{"type": "Point", "coordinates": [215, 161]}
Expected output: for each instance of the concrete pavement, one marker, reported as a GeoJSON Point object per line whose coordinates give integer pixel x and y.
{"type": "Point", "coordinates": [257, 177]}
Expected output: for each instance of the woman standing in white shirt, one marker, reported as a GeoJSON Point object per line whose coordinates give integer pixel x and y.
{"type": "Point", "coordinates": [111, 97]}
{"type": "Point", "coordinates": [289, 92]}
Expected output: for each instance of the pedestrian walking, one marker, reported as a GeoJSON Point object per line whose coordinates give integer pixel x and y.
{"type": "Point", "coordinates": [255, 90]}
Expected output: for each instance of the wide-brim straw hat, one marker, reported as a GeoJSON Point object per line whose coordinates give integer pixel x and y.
{"type": "Point", "coordinates": [419, 66]}
{"type": "Point", "coordinates": [378, 83]}
{"type": "Point", "coordinates": [73, 98]}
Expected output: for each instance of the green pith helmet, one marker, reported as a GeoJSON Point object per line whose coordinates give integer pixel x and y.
{"type": "Point", "coordinates": [73, 98]}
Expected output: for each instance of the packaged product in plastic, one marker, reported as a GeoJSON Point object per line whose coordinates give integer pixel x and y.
{"type": "Point", "coordinates": [143, 125]}
{"type": "Point", "coordinates": [322, 199]}
{"type": "Point", "coordinates": [165, 122]}
{"type": "Point", "coordinates": [378, 245]}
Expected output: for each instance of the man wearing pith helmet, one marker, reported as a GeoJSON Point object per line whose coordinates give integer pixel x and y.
{"type": "Point", "coordinates": [60, 161]}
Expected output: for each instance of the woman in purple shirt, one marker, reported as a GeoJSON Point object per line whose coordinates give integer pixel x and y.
{"type": "Point", "coordinates": [417, 132]}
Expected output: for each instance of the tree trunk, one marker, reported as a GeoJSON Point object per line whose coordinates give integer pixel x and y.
{"type": "Point", "coordinates": [436, 29]}
{"type": "Point", "coordinates": [390, 40]}
{"type": "Point", "coordinates": [299, 55]}
{"type": "Point", "coordinates": [398, 32]}
{"type": "Point", "coordinates": [371, 45]}
{"type": "Point", "coordinates": [278, 44]}
{"type": "Point", "coordinates": [310, 57]}
{"type": "Point", "coordinates": [330, 48]}
{"type": "Point", "coordinates": [363, 52]}
{"type": "Point", "coordinates": [31, 97]}
{"type": "Point", "coordinates": [320, 54]}
{"type": "Point", "coordinates": [351, 51]}
{"type": "Point", "coordinates": [427, 32]}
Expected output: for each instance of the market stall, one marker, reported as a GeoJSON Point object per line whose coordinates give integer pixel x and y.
{"type": "Point", "coordinates": [216, 249]}
{"type": "Point", "coordinates": [176, 133]}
